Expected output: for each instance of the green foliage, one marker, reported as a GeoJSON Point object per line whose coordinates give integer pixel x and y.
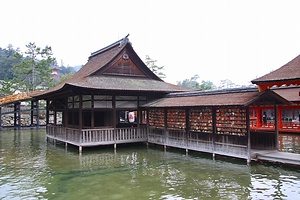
{"type": "Point", "coordinates": [8, 87]}
{"type": "Point", "coordinates": [33, 69]}
{"type": "Point", "coordinates": [151, 64]}
{"type": "Point", "coordinates": [192, 83]}
{"type": "Point", "coordinates": [207, 85]}
{"type": "Point", "coordinates": [6, 62]}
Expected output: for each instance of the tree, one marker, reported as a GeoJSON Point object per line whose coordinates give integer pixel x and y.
{"type": "Point", "coordinates": [33, 71]}
{"type": "Point", "coordinates": [7, 87]}
{"type": "Point", "coordinates": [207, 85]}
{"type": "Point", "coordinates": [151, 64]}
{"type": "Point", "coordinates": [6, 62]}
{"type": "Point", "coordinates": [226, 83]}
{"type": "Point", "coordinates": [193, 83]}
{"type": "Point", "coordinates": [189, 83]}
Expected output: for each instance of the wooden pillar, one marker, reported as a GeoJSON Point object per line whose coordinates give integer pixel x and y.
{"type": "Point", "coordinates": [32, 112]}
{"type": "Point", "coordinates": [17, 115]}
{"type": "Point", "coordinates": [139, 114]}
{"type": "Point", "coordinates": [55, 117]}
{"type": "Point", "coordinates": [147, 123]}
{"type": "Point", "coordinates": [37, 107]}
{"type": "Point", "coordinates": [80, 113]}
{"type": "Point", "coordinates": [214, 129]}
{"type": "Point", "coordinates": [114, 117]}
{"type": "Point", "coordinates": [47, 112]}
{"type": "Point", "coordinates": [187, 127]}
{"type": "Point", "coordinates": [276, 128]}
{"type": "Point", "coordinates": [92, 112]}
{"type": "Point", "coordinates": [258, 117]}
{"type": "Point", "coordinates": [66, 114]}
{"type": "Point", "coordinates": [248, 133]}
{"type": "Point", "coordinates": [280, 117]}
{"type": "Point", "coordinates": [166, 127]}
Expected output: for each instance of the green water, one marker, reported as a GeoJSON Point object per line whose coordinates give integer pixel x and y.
{"type": "Point", "coordinates": [32, 168]}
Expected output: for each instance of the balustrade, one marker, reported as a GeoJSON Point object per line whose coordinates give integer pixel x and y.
{"type": "Point", "coordinates": [91, 137]}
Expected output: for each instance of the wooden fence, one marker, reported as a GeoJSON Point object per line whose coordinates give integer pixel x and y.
{"type": "Point", "coordinates": [99, 136]}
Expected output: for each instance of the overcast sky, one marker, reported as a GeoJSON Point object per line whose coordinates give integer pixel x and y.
{"type": "Point", "coordinates": [216, 39]}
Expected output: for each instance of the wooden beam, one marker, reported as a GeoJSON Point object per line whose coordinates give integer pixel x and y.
{"type": "Point", "coordinates": [276, 128]}
{"type": "Point", "coordinates": [80, 113]}
{"type": "Point", "coordinates": [214, 128]}
{"type": "Point", "coordinates": [248, 133]}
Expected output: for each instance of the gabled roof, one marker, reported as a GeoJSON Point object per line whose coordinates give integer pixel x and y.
{"type": "Point", "coordinates": [288, 74]}
{"type": "Point", "coordinates": [116, 67]}
{"type": "Point", "coordinates": [235, 97]}
{"type": "Point", "coordinates": [291, 94]}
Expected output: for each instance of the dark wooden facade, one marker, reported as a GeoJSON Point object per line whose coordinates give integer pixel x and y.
{"type": "Point", "coordinates": [102, 103]}
{"type": "Point", "coordinates": [215, 122]}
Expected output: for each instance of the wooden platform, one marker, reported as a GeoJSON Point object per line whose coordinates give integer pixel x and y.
{"type": "Point", "coordinates": [276, 156]}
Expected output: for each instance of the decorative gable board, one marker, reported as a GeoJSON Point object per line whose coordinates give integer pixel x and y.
{"type": "Point", "coordinates": [124, 66]}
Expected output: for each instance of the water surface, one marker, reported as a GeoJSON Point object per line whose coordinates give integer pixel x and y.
{"type": "Point", "coordinates": [32, 168]}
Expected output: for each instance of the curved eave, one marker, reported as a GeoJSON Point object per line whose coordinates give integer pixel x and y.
{"type": "Point", "coordinates": [263, 85]}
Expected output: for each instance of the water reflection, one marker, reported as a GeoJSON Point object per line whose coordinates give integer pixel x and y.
{"type": "Point", "coordinates": [31, 168]}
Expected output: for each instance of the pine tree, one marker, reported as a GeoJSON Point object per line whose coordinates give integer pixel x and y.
{"type": "Point", "coordinates": [33, 71]}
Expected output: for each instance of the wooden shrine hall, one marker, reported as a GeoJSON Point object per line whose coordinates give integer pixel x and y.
{"type": "Point", "coordinates": [114, 98]}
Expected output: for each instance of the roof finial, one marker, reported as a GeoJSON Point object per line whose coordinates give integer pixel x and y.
{"type": "Point", "coordinates": [124, 40]}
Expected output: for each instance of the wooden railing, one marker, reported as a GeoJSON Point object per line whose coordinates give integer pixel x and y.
{"type": "Point", "coordinates": [285, 126]}
{"type": "Point", "coordinates": [227, 145]}
{"type": "Point", "coordinates": [99, 136]}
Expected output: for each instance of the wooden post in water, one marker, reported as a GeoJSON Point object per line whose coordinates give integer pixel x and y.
{"type": "Point", "coordinates": [187, 129]}
{"type": "Point", "coordinates": [17, 115]}
{"type": "Point", "coordinates": [165, 128]}
{"type": "Point", "coordinates": [114, 118]}
{"type": "Point", "coordinates": [214, 130]}
{"type": "Point", "coordinates": [276, 128]}
{"type": "Point", "coordinates": [248, 134]}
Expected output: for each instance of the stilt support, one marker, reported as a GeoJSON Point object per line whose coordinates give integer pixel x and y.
{"type": "Point", "coordinates": [115, 146]}
{"type": "Point", "coordinates": [248, 161]}
{"type": "Point", "coordinates": [80, 149]}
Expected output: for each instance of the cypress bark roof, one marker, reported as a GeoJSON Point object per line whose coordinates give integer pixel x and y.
{"type": "Point", "coordinates": [292, 94]}
{"type": "Point", "coordinates": [236, 97]}
{"type": "Point", "coordinates": [288, 72]}
{"type": "Point", "coordinates": [116, 67]}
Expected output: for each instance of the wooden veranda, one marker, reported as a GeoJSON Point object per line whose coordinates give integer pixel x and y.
{"type": "Point", "coordinates": [96, 137]}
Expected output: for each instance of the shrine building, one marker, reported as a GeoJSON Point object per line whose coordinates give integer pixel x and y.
{"type": "Point", "coordinates": [115, 98]}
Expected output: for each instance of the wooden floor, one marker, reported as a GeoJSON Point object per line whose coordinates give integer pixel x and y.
{"type": "Point", "coordinates": [276, 156]}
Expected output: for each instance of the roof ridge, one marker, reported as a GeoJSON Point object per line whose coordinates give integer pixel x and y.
{"type": "Point", "coordinates": [120, 42]}
{"type": "Point", "coordinates": [212, 92]}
